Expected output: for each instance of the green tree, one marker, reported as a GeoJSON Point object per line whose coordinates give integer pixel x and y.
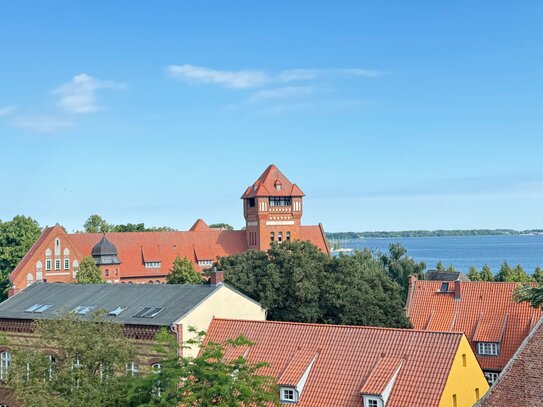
{"type": "Point", "coordinates": [16, 238]}
{"type": "Point", "coordinates": [210, 379]}
{"type": "Point", "coordinates": [400, 266]}
{"type": "Point", "coordinates": [516, 274]}
{"type": "Point", "coordinates": [95, 224]}
{"type": "Point", "coordinates": [486, 273]}
{"type": "Point", "coordinates": [538, 275]}
{"type": "Point", "coordinates": [473, 274]}
{"type": "Point", "coordinates": [88, 272]}
{"type": "Point", "coordinates": [529, 294]}
{"type": "Point", "coordinates": [183, 272]}
{"type": "Point", "coordinates": [221, 226]}
{"type": "Point", "coordinates": [129, 227]}
{"type": "Point", "coordinates": [440, 266]}
{"type": "Point", "coordinates": [87, 368]}
{"type": "Point", "coordinates": [295, 281]}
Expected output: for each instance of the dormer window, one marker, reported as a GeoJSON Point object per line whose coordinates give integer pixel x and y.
{"type": "Point", "coordinates": [444, 287]}
{"type": "Point", "coordinates": [152, 264]}
{"type": "Point", "coordinates": [371, 401]}
{"type": "Point", "coordinates": [289, 394]}
{"type": "Point", "coordinates": [488, 348]}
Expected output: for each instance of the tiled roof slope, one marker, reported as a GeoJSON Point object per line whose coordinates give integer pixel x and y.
{"type": "Point", "coordinates": [346, 357]}
{"type": "Point", "coordinates": [132, 246]}
{"type": "Point", "coordinates": [521, 382]}
{"type": "Point", "coordinates": [484, 312]}
{"type": "Point", "coordinates": [44, 235]}
{"type": "Point", "coordinates": [265, 185]}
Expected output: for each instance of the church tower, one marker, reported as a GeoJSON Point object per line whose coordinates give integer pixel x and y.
{"type": "Point", "coordinates": [272, 207]}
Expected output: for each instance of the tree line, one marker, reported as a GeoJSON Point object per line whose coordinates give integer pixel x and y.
{"type": "Point", "coordinates": [429, 233]}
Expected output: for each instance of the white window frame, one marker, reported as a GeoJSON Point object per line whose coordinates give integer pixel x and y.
{"type": "Point", "coordinates": [132, 368]}
{"type": "Point", "coordinates": [288, 394]}
{"type": "Point", "coordinates": [373, 401]}
{"type": "Point", "coordinates": [488, 348]}
{"type": "Point", "coordinates": [66, 264]}
{"type": "Point", "coordinates": [5, 362]}
{"type": "Point", "coordinates": [57, 264]}
{"type": "Point", "coordinates": [152, 264]}
{"type": "Point", "coordinates": [48, 265]}
{"type": "Point", "coordinates": [491, 377]}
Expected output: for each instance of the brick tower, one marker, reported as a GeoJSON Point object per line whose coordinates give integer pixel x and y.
{"type": "Point", "coordinates": [272, 207]}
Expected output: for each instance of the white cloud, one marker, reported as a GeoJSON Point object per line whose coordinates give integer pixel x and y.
{"type": "Point", "coordinates": [246, 79]}
{"type": "Point", "coordinates": [233, 79]}
{"type": "Point", "coordinates": [7, 110]}
{"type": "Point", "coordinates": [42, 123]}
{"type": "Point", "coordinates": [79, 95]}
{"type": "Point", "coordinates": [281, 93]}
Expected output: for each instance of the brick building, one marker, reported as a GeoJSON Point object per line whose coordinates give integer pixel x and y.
{"type": "Point", "coordinates": [272, 208]}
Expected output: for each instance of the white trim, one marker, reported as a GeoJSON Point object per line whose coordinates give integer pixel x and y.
{"type": "Point", "coordinates": [279, 222]}
{"type": "Point", "coordinates": [57, 274]}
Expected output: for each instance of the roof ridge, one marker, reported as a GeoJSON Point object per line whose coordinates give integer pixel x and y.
{"type": "Point", "coordinates": [376, 328]}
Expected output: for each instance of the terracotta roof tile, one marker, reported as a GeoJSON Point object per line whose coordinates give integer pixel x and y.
{"type": "Point", "coordinates": [485, 312]}
{"type": "Point", "coordinates": [199, 226]}
{"type": "Point", "coordinates": [381, 375]}
{"type": "Point", "coordinates": [266, 184]}
{"type": "Point", "coordinates": [521, 382]}
{"type": "Point", "coordinates": [347, 357]}
{"type": "Point", "coordinates": [297, 366]}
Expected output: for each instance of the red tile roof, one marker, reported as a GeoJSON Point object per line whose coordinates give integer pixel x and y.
{"type": "Point", "coordinates": [266, 184]}
{"type": "Point", "coordinates": [44, 235]}
{"type": "Point", "coordinates": [485, 312]}
{"type": "Point", "coordinates": [521, 382]}
{"type": "Point", "coordinates": [381, 375]}
{"type": "Point", "coordinates": [199, 226]}
{"type": "Point", "coordinates": [347, 358]}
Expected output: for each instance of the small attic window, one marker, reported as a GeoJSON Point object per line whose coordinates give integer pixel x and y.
{"type": "Point", "coordinates": [288, 394]}
{"type": "Point", "coordinates": [116, 311]}
{"type": "Point", "coordinates": [278, 185]}
{"type": "Point", "coordinates": [444, 287]}
{"type": "Point", "coordinates": [370, 401]}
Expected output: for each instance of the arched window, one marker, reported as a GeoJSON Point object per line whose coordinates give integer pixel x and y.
{"type": "Point", "coordinates": [29, 279]}
{"type": "Point", "coordinates": [279, 237]}
{"type": "Point", "coordinates": [5, 361]}
{"type": "Point", "coordinates": [66, 252]}
{"type": "Point", "coordinates": [272, 236]}
{"type": "Point", "coordinates": [39, 266]}
{"type": "Point", "coordinates": [158, 388]}
{"type": "Point", "coordinates": [157, 282]}
{"type": "Point", "coordinates": [157, 367]}
{"type": "Point", "coordinates": [150, 282]}
{"type": "Point", "coordinates": [48, 253]}
{"type": "Point", "coordinates": [57, 247]}
{"type": "Point", "coordinates": [75, 269]}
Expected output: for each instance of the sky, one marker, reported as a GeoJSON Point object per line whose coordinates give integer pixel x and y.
{"type": "Point", "coordinates": [388, 115]}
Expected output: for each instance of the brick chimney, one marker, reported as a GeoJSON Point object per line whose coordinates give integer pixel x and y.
{"type": "Point", "coordinates": [12, 291]}
{"type": "Point", "coordinates": [457, 290]}
{"type": "Point", "coordinates": [217, 277]}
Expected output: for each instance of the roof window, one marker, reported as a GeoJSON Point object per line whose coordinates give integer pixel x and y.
{"type": "Point", "coordinates": [444, 287]}
{"type": "Point", "coordinates": [83, 309]}
{"type": "Point", "coordinates": [149, 312]}
{"type": "Point", "coordinates": [116, 311]}
{"type": "Point", "coordinates": [288, 394]}
{"type": "Point", "coordinates": [39, 308]}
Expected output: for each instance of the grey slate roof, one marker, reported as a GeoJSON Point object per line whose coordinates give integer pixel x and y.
{"type": "Point", "coordinates": [176, 299]}
{"type": "Point", "coordinates": [436, 275]}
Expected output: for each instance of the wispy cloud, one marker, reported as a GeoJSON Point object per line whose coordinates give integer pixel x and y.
{"type": "Point", "coordinates": [247, 79]}
{"type": "Point", "coordinates": [42, 123]}
{"type": "Point", "coordinates": [79, 94]}
{"type": "Point", "coordinates": [7, 110]}
{"type": "Point", "coordinates": [281, 93]}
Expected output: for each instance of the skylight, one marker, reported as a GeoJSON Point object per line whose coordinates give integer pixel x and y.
{"type": "Point", "coordinates": [83, 309]}
{"type": "Point", "coordinates": [149, 312]}
{"type": "Point", "coordinates": [117, 311]}
{"type": "Point", "coordinates": [39, 308]}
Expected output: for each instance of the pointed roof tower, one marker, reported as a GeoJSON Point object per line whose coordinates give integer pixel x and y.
{"type": "Point", "coordinates": [272, 182]}
{"type": "Point", "coordinates": [104, 252]}
{"type": "Point", "coordinates": [199, 226]}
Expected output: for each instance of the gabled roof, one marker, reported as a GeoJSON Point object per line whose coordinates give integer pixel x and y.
{"type": "Point", "coordinates": [199, 226]}
{"type": "Point", "coordinates": [521, 382]}
{"type": "Point", "coordinates": [484, 312]}
{"type": "Point", "coordinates": [438, 275]}
{"type": "Point", "coordinates": [43, 237]}
{"type": "Point", "coordinates": [381, 375]}
{"type": "Point", "coordinates": [346, 356]}
{"type": "Point", "coordinates": [176, 299]}
{"type": "Point", "coordinates": [272, 182]}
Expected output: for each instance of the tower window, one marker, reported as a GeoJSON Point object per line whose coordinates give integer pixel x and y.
{"type": "Point", "coordinates": [280, 237]}
{"type": "Point", "coordinates": [252, 202]}
{"type": "Point", "coordinates": [280, 200]}
{"type": "Point", "coordinates": [272, 236]}
{"type": "Point", "coordinates": [288, 236]}
{"type": "Point", "coordinates": [278, 185]}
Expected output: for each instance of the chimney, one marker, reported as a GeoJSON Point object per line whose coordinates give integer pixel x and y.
{"type": "Point", "coordinates": [12, 291]}
{"type": "Point", "coordinates": [217, 277]}
{"type": "Point", "coordinates": [457, 291]}
{"type": "Point", "coordinates": [412, 280]}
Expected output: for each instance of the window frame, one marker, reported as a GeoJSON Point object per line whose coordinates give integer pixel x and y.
{"type": "Point", "coordinates": [488, 348]}
{"type": "Point", "coordinates": [5, 363]}
{"type": "Point", "coordinates": [288, 394]}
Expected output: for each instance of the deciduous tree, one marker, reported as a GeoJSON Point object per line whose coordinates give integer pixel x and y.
{"type": "Point", "coordinates": [96, 224]}
{"type": "Point", "coordinates": [183, 272]}
{"type": "Point", "coordinates": [88, 272]}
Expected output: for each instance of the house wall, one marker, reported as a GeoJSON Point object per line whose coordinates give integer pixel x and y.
{"type": "Point", "coordinates": [223, 303]}
{"type": "Point", "coordinates": [463, 381]}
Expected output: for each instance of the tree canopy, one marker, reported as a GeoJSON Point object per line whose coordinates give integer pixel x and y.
{"type": "Point", "coordinates": [183, 272]}
{"type": "Point", "coordinates": [88, 272]}
{"type": "Point", "coordinates": [221, 226]}
{"type": "Point", "coordinates": [97, 224]}
{"type": "Point", "coordinates": [295, 281]}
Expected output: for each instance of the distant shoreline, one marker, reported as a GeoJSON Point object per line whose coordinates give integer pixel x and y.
{"type": "Point", "coordinates": [430, 233]}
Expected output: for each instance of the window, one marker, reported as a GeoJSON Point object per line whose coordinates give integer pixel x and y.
{"type": "Point", "coordinates": [57, 247]}
{"type": "Point", "coordinates": [107, 273]}
{"type": "Point", "coordinates": [158, 388]}
{"type": "Point", "coordinates": [487, 348]}
{"type": "Point", "coordinates": [66, 264]}
{"type": "Point", "coordinates": [464, 362]}
{"type": "Point", "coordinates": [278, 185]}
{"type": "Point", "coordinates": [288, 236]}
{"type": "Point", "coordinates": [5, 361]}
{"type": "Point", "coordinates": [444, 287]}
{"type": "Point", "coordinates": [252, 202]}
{"type": "Point", "coordinates": [205, 262]}
{"type": "Point", "coordinates": [116, 311]}
{"type": "Point", "coordinates": [477, 394]}
{"type": "Point", "coordinates": [148, 312]}
{"type": "Point", "coordinates": [57, 264]}
{"type": "Point", "coordinates": [455, 402]}
{"type": "Point", "coordinates": [272, 236]}
{"type": "Point", "coordinates": [132, 369]}
{"type": "Point", "coordinates": [47, 264]}
{"type": "Point", "coordinates": [280, 201]}
{"type": "Point", "coordinates": [279, 237]}
{"type": "Point", "coordinates": [39, 308]}
{"type": "Point", "coordinates": [373, 403]}
{"type": "Point", "coordinates": [152, 264]}
{"type": "Point", "coordinates": [288, 394]}
{"type": "Point", "coordinates": [29, 279]}
{"type": "Point", "coordinates": [52, 367]}
{"type": "Point", "coordinates": [83, 309]}
{"type": "Point", "coordinates": [491, 377]}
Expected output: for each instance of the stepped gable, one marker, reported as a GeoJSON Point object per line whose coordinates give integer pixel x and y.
{"type": "Point", "coordinates": [483, 311]}
{"type": "Point", "coordinates": [343, 360]}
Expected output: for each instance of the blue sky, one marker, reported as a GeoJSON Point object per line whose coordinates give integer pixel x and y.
{"type": "Point", "coordinates": [404, 115]}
